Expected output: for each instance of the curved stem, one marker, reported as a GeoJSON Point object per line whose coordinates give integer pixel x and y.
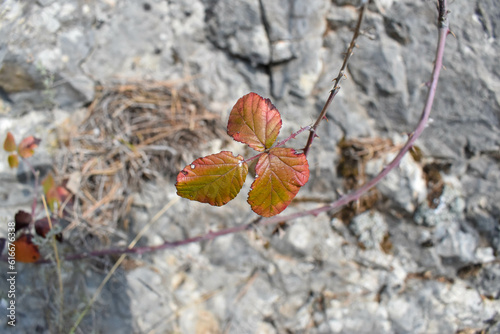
{"type": "Point", "coordinates": [443, 32]}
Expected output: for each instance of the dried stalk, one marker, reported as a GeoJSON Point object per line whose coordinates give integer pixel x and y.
{"type": "Point", "coordinates": [340, 76]}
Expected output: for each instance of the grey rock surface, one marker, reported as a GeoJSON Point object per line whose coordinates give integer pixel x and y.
{"type": "Point", "coordinates": [404, 266]}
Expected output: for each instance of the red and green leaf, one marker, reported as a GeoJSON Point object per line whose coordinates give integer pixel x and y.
{"type": "Point", "coordinates": [215, 179]}
{"type": "Point", "coordinates": [13, 160]}
{"type": "Point", "coordinates": [27, 146]}
{"type": "Point", "coordinates": [279, 176]}
{"type": "Point", "coordinates": [281, 172]}
{"type": "Point", "coordinates": [48, 183]}
{"type": "Point", "coordinates": [25, 250]}
{"type": "Point", "coordinates": [54, 194]}
{"type": "Point", "coordinates": [50, 191]}
{"type": "Point", "coordinates": [254, 121]}
{"type": "Point", "coordinates": [9, 144]}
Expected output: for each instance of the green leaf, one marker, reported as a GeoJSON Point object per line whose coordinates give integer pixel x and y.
{"type": "Point", "coordinates": [215, 179]}
{"type": "Point", "coordinates": [48, 184]}
{"type": "Point", "coordinates": [51, 192]}
{"type": "Point", "coordinates": [254, 121]}
{"type": "Point", "coordinates": [27, 146]}
{"type": "Point", "coordinates": [9, 144]}
{"type": "Point", "coordinates": [279, 176]}
{"type": "Point", "coordinates": [13, 160]}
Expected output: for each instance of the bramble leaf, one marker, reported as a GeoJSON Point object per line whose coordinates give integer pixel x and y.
{"type": "Point", "coordinates": [215, 179]}
{"type": "Point", "coordinates": [42, 228]}
{"type": "Point", "coordinates": [279, 176]}
{"type": "Point", "coordinates": [9, 144]}
{"type": "Point", "coordinates": [50, 191]}
{"type": "Point", "coordinates": [63, 194]}
{"type": "Point", "coordinates": [13, 160]}
{"type": "Point", "coordinates": [254, 121]}
{"type": "Point", "coordinates": [27, 146]}
{"type": "Point", "coordinates": [25, 250]}
{"type": "Point", "coordinates": [54, 194]}
{"type": "Point", "coordinates": [57, 195]}
{"type": "Point", "coordinates": [22, 219]}
{"type": "Point", "coordinates": [52, 198]}
{"type": "Point", "coordinates": [48, 183]}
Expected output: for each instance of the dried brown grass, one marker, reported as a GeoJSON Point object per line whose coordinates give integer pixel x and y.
{"type": "Point", "coordinates": [132, 133]}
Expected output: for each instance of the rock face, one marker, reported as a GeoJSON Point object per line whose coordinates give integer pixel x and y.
{"type": "Point", "coordinates": [422, 261]}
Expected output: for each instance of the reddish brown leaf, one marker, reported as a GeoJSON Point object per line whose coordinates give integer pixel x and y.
{"type": "Point", "coordinates": [22, 219]}
{"type": "Point", "coordinates": [279, 176]}
{"type": "Point", "coordinates": [13, 160]}
{"type": "Point", "coordinates": [62, 193]}
{"type": "Point", "coordinates": [254, 121]}
{"type": "Point", "coordinates": [9, 144]}
{"type": "Point", "coordinates": [27, 146]}
{"type": "Point", "coordinates": [42, 227]}
{"type": "Point", "coordinates": [25, 250]}
{"type": "Point", "coordinates": [215, 179]}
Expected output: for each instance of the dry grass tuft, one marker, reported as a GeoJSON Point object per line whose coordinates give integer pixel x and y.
{"type": "Point", "coordinates": [133, 133]}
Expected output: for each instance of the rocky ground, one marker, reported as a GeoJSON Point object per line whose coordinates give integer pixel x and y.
{"type": "Point", "coordinates": [419, 255]}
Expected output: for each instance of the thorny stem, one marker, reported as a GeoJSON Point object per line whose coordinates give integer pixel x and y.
{"type": "Point", "coordinates": [167, 245]}
{"type": "Point", "coordinates": [424, 118]}
{"type": "Point", "coordinates": [254, 157]}
{"type": "Point", "coordinates": [281, 143]}
{"type": "Point", "coordinates": [340, 76]}
{"type": "Point", "coordinates": [292, 136]}
{"type": "Point", "coordinates": [353, 196]}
